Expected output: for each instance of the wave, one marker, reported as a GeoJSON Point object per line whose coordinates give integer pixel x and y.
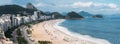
{"type": "Point", "coordinates": [80, 36]}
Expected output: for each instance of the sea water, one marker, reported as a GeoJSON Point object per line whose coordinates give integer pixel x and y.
{"type": "Point", "coordinates": [107, 28]}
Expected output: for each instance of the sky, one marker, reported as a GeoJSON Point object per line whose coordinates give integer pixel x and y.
{"type": "Point", "coordinates": [92, 6]}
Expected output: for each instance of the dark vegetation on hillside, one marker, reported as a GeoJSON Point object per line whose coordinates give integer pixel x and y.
{"type": "Point", "coordinates": [14, 9]}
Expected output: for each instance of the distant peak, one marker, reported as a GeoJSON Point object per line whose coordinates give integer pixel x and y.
{"type": "Point", "coordinates": [29, 3]}
{"type": "Point", "coordinates": [30, 6]}
{"type": "Point", "coordinates": [83, 12]}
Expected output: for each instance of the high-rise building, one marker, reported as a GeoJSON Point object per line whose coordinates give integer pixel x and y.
{"type": "Point", "coordinates": [1, 34]}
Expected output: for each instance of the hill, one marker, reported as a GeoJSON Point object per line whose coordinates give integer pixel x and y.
{"type": "Point", "coordinates": [85, 14]}
{"type": "Point", "coordinates": [14, 9]}
{"type": "Point", "coordinates": [73, 15]}
{"type": "Point", "coordinates": [57, 15]}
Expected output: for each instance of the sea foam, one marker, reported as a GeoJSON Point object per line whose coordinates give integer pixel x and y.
{"type": "Point", "coordinates": [80, 36]}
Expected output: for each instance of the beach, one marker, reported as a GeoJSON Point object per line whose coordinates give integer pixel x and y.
{"type": "Point", "coordinates": [48, 31]}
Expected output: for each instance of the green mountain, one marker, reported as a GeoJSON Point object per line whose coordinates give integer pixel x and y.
{"type": "Point", "coordinates": [14, 9]}
{"type": "Point", "coordinates": [30, 6]}
{"type": "Point", "coordinates": [57, 15]}
{"type": "Point", "coordinates": [85, 14]}
{"type": "Point", "coordinates": [73, 15]}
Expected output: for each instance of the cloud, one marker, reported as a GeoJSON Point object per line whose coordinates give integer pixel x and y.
{"type": "Point", "coordinates": [95, 7]}
{"type": "Point", "coordinates": [82, 4]}
{"type": "Point", "coordinates": [4, 2]}
{"type": "Point", "coordinates": [99, 4]}
{"type": "Point", "coordinates": [39, 4]}
{"type": "Point", "coordinates": [111, 5]}
{"type": "Point", "coordinates": [94, 4]}
{"type": "Point", "coordinates": [45, 5]}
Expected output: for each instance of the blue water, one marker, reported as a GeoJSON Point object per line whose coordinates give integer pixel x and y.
{"type": "Point", "coordinates": [107, 28]}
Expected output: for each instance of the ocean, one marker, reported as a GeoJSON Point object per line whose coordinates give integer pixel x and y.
{"type": "Point", "coordinates": [107, 28]}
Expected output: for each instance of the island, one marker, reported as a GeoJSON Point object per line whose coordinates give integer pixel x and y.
{"type": "Point", "coordinates": [98, 16]}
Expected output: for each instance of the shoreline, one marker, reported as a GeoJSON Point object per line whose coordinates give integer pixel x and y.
{"type": "Point", "coordinates": [51, 31]}
{"type": "Point", "coordinates": [80, 36]}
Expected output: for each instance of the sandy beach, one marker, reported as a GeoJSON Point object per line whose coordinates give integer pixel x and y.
{"type": "Point", "coordinates": [46, 31]}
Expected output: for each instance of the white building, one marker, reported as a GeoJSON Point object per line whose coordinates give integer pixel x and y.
{"type": "Point", "coordinates": [1, 32]}
{"type": "Point", "coordinates": [6, 22]}
{"type": "Point", "coordinates": [25, 19]}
